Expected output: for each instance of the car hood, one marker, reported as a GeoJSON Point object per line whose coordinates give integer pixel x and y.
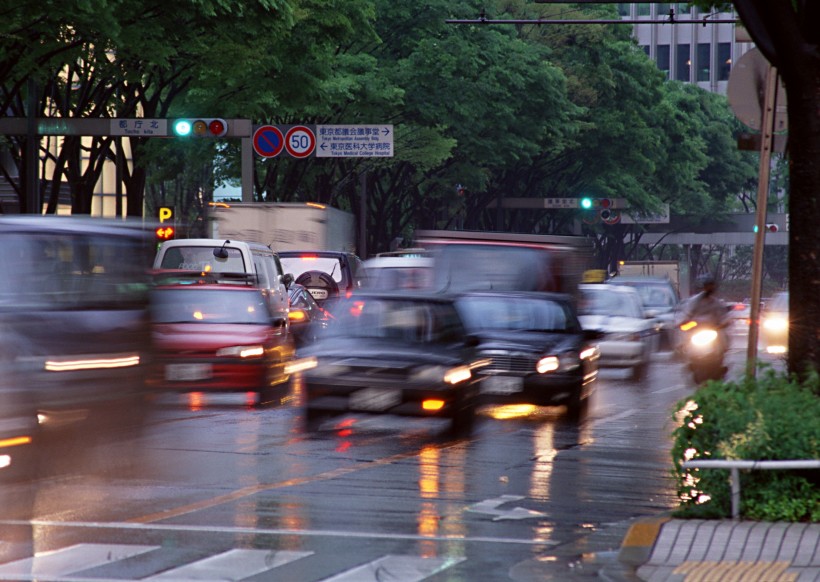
{"type": "Point", "coordinates": [522, 341]}
{"type": "Point", "coordinates": [197, 335]}
{"type": "Point", "coordinates": [384, 353]}
{"type": "Point", "coordinates": [612, 323]}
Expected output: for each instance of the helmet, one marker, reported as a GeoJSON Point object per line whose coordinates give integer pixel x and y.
{"type": "Point", "coordinates": [708, 284]}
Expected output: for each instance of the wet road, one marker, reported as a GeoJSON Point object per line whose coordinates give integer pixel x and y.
{"type": "Point", "coordinates": [216, 489]}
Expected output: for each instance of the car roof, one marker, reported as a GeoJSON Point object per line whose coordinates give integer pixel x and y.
{"type": "Point", "coordinates": [640, 279]}
{"type": "Point", "coordinates": [546, 295]}
{"type": "Point", "coordinates": [309, 253]}
{"type": "Point", "coordinates": [398, 261]}
{"type": "Point", "coordinates": [416, 295]}
{"type": "Point", "coordinates": [608, 288]}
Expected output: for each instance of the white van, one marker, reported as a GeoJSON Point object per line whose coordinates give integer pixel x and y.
{"type": "Point", "coordinates": [229, 256]}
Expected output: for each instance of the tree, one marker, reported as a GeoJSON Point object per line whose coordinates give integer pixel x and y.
{"type": "Point", "coordinates": [787, 32]}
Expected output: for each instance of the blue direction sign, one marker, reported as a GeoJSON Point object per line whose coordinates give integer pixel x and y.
{"type": "Point", "coordinates": [268, 141]}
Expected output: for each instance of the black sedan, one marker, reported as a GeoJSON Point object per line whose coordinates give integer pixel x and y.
{"type": "Point", "coordinates": [538, 351]}
{"type": "Point", "coordinates": [394, 354]}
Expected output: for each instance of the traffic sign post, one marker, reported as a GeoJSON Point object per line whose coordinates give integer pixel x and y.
{"type": "Point", "coordinates": [300, 141]}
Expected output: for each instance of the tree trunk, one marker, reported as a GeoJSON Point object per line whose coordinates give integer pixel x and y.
{"type": "Point", "coordinates": [803, 93]}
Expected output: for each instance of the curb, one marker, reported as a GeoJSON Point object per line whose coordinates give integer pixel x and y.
{"type": "Point", "coordinates": [640, 539]}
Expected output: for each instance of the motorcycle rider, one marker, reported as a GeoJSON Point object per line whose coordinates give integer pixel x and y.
{"type": "Point", "coordinates": [706, 307]}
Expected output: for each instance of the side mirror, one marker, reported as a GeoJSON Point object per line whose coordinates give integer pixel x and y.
{"type": "Point", "coordinates": [221, 252]}
{"type": "Point", "coordinates": [287, 279]}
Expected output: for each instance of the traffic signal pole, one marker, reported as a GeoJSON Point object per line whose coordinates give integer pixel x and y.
{"type": "Point", "coordinates": [766, 142]}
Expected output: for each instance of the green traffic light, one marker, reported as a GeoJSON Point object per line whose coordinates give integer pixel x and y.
{"type": "Point", "coordinates": [586, 203]}
{"type": "Point", "coordinates": [182, 127]}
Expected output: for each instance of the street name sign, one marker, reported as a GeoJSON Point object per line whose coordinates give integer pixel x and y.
{"type": "Point", "coordinates": [354, 141]}
{"type": "Point", "coordinates": [139, 127]}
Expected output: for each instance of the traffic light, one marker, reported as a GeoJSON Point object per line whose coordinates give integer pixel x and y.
{"type": "Point", "coordinates": [164, 233]}
{"type": "Point", "coordinates": [200, 127]}
{"type": "Point", "coordinates": [605, 208]}
{"type": "Point", "coordinates": [586, 203]}
{"type": "Point", "coordinates": [769, 228]}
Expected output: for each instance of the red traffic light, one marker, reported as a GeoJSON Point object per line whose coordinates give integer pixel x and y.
{"type": "Point", "coordinates": [164, 232]}
{"type": "Point", "coordinates": [605, 203]}
{"type": "Point", "coordinates": [771, 228]}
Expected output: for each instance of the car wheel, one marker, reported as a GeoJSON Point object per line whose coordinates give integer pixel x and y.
{"type": "Point", "coordinates": [639, 371]}
{"type": "Point", "coordinates": [577, 405]}
{"type": "Point", "coordinates": [312, 419]}
{"type": "Point", "coordinates": [462, 423]}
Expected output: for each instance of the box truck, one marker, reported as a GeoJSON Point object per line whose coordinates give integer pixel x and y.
{"type": "Point", "coordinates": [285, 225]}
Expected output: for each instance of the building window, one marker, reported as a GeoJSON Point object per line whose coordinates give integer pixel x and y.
{"type": "Point", "coordinates": [645, 49]}
{"type": "Point", "coordinates": [663, 9]}
{"type": "Point", "coordinates": [683, 8]}
{"type": "Point", "coordinates": [643, 9]}
{"type": "Point", "coordinates": [724, 60]}
{"type": "Point", "coordinates": [663, 58]}
{"type": "Point", "coordinates": [624, 9]}
{"type": "Point", "coordinates": [683, 62]}
{"type": "Point", "coordinates": [703, 63]}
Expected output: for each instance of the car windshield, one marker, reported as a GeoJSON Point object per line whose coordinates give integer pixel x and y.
{"type": "Point", "coordinates": [516, 313]}
{"type": "Point", "coordinates": [407, 321]}
{"type": "Point", "coordinates": [209, 306]}
{"type": "Point", "coordinates": [608, 302]}
{"type": "Point", "coordinates": [779, 302]}
{"type": "Point", "coordinates": [653, 295]}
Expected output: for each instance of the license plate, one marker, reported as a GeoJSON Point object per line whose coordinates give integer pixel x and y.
{"type": "Point", "coordinates": [374, 399]}
{"type": "Point", "coordinates": [188, 372]}
{"type": "Point", "coordinates": [319, 293]}
{"type": "Point", "coordinates": [502, 385]}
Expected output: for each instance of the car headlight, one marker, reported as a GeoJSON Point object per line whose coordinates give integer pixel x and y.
{"type": "Point", "coordinates": [564, 362]}
{"type": "Point", "coordinates": [704, 337]}
{"type": "Point", "coordinates": [776, 324]}
{"type": "Point", "coordinates": [458, 374]}
{"type": "Point", "coordinates": [241, 352]}
{"type": "Point", "coordinates": [429, 374]}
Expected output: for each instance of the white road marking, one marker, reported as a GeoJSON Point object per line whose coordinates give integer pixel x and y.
{"type": "Point", "coordinates": [234, 564]}
{"type": "Point", "coordinates": [71, 559]}
{"type": "Point", "coordinates": [490, 507]}
{"type": "Point", "coordinates": [404, 568]}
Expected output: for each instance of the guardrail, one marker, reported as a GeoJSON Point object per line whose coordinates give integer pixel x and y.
{"type": "Point", "coordinates": [735, 466]}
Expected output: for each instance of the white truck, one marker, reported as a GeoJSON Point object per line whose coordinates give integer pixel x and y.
{"type": "Point", "coordinates": [285, 225]}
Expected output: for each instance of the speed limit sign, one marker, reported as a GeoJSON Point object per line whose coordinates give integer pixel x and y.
{"type": "Point", "coordinates": [300, 141]}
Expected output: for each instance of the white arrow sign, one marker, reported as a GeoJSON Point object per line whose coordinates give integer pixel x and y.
{"type": "Point", "coordinates": [490, 507]}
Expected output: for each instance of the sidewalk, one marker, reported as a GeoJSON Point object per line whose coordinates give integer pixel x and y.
{"type": "Point", "coordinates": [694, 550]}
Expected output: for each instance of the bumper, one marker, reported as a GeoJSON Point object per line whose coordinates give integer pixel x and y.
{"type": "Point", "coordinates": [339, 396]}
{"type": "Point", "coordinates": [537, 389]}
{"type": "Point", "coordinates": [621, 354]}
{"type": "Point", "coordinates": [216, 376]}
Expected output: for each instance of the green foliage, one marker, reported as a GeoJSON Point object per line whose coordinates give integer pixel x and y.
{"type": "Point", "coordinates": [772, 417]}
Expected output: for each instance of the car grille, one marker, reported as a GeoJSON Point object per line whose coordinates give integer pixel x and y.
{"type": "Point", "coordinates": [517, 363]}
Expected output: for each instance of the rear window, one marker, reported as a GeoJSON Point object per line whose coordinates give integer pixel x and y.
{"type": "Point", "coordinates": [209, 306]}
{"type": "Point", "coordinates": [517, 314]}
{"type": "Point", "coordinates": [196, 258]}
{"type": "Point", "coordinates": [330, 265]}
{"type": "Point", "coordinates": [603, 301]}
{"type": "Point", "coordinates": [51, 270]}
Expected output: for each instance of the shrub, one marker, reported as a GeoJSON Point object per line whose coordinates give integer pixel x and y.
{"type": "Point", "coordinates": [772, 417]}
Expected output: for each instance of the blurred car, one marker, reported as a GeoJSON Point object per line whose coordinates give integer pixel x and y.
{"type": "Point", "coordinates": [327, 275]}
{"type": "Point", "coordinates": [215, 332]}
{"type": "Point", "coordinates": [661, 301]}
{"type": "Point", "coordinates": [74, 322]}
{"type": "Point", "coordinates": [307, 318]}
{"type": "Point", "coordinates": [384, 273]}
{"type": "Point", "coordinates": [397, 354]}
{"type": "Point", "coordinates": [740, 313]}
{"type": "Point", "coordinates": [630, 336]}
{"type": "Point", "coordinates": [774, 324]}
{"type": "Point", "coordinates": [538, 352]}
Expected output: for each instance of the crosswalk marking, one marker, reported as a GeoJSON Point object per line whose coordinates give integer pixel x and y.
{"type": "Point", "coordinates": [71, 559]}
{"type": "Point", "coordinates": [75, 564]}
{"type": "Point", "coordinates": [231, 565]}
{"type": "Point", "coordinates": [391, 567]}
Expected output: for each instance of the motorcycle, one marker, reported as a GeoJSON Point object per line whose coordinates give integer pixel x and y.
{"type": "Point", "coordinates": [704, 347]}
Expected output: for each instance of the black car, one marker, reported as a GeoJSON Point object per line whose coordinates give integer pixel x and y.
{"type": "Point", "coordinates": [307, 318]}
{"type": "Point", "coordinates": [328, 275]}
{"type": "Point", "coordinates": [400, 354]}
{"type": "Point", "coordinates": [538, 352]}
